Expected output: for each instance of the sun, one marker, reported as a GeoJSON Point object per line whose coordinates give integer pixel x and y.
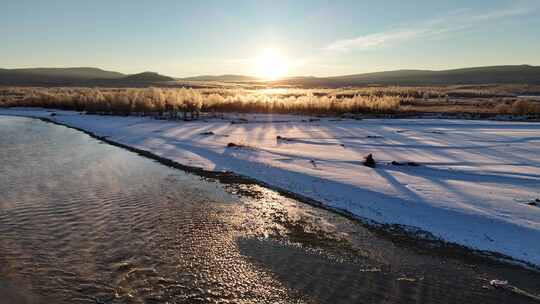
{"type": "Point", "coordinates": [270, 65]}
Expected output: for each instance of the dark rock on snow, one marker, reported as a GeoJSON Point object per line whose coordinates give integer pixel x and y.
{"type": "Point", "coordinates": [369, 161]}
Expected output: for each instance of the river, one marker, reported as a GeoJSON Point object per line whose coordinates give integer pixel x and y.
{"type": "Point", "coordinates": [82, 221]}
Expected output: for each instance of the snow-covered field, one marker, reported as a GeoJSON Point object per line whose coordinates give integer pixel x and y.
{"type": "Point", "coordinates": [472, 187]}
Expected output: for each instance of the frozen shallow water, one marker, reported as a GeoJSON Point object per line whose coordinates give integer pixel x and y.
{"type": "Point", "coordinates": [472, 187]}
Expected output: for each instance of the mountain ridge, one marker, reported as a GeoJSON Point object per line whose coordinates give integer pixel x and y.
{"type": "Point", "coordinates": [501, 74]}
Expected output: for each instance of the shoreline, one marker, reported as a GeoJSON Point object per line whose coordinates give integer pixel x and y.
{"type": "Point", "coordinates": [416, 239]}
{"type": "Point", "coordinates": [412, 237]}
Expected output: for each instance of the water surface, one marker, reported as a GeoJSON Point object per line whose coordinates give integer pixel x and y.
{"type": "Point", "coordinates": [86, 222]}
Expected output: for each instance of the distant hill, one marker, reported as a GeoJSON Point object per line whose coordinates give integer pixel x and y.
{"type": "Point", "coordinates": [146, 77]}
{"type": "Point", "coordinates": [523, 74]}
{"type": "Point", "coordinates": [510, 74]}
{"type": "Point", "coordinates": [54, 76]}
{"type": "Point", "coordinates": [221, 78]}
{"type": "Point", "coordinates": [77, 76]}
{"type": "Point", "coordinates": [82, 73]}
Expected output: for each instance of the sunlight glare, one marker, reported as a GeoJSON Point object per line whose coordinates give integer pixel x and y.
{"type": "Point", "coordinates": [271, 65]}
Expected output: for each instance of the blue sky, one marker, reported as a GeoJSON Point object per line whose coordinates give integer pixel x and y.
{"type": "Point", "coordinates": [183, 38]}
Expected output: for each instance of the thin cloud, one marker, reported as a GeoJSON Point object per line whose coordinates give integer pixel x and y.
{"type": "Point", "coordinates": [453, 23]}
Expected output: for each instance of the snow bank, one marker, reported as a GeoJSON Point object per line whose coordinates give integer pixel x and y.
{"type": "Point", "coordinates": [472, 187]}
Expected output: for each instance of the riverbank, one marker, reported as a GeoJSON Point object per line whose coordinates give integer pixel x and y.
{"type": "Point", "coordinates": [475, 185]}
